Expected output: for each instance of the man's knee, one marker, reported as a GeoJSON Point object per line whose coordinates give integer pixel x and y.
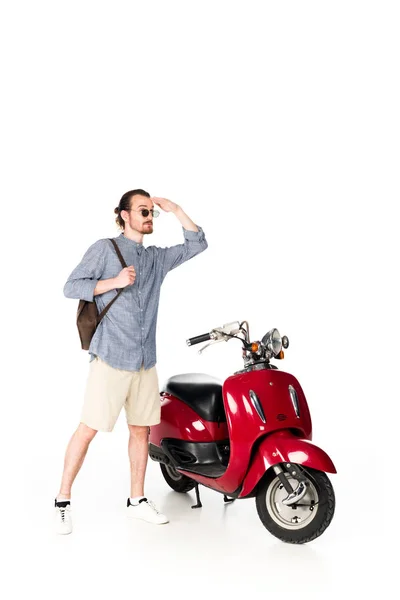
{"type": "Point", "coordinates": [139, 430]}
{"type": "Point", "coordinates": [85, 432]}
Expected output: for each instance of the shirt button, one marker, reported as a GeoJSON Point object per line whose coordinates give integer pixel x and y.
{"type": "Point", "coordinates": [140, 292]}
{"type": "Point", "coordinates": [141, 310]}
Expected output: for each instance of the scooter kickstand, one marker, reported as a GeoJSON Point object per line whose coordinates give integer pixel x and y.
{"type": "Point", "coordinates": [226, 499]}
{"type": "Point", "coordinates": [199, 504]}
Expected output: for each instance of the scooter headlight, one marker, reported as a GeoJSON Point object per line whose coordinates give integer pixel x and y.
{"type": "Point", "coordinates": [273, 341]}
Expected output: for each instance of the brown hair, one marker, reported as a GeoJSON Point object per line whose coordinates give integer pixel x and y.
{"type": "Point", "coordinates": [125, 204]}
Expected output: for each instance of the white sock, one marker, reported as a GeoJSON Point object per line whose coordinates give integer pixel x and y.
{"type": "Point", "coordinates": [135, 501]}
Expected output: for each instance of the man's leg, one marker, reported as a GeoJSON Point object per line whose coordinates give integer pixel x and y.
{"type": "Point", "coordinates": [142, 406]}
{"type": "Point", "coordinates": [138, 506]}
{"type": "Point", "coordinates": [138, 455]}
{"type": "Point", "coordinates": [74, 457]}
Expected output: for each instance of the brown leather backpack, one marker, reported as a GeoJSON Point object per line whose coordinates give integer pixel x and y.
{"type": "Point", "coordinates": [88, 317]}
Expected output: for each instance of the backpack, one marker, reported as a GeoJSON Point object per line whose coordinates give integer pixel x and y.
{"type": "Point", "coordinates": [88, 317]}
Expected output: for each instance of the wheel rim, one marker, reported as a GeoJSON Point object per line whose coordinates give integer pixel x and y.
{"type": "Point", "coordinates": [173, 473]}
{"type": "Point", "coordinates": [296, 516]}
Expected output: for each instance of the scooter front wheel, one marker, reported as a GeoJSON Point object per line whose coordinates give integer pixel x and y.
{"type": "Point", "coordinates": [301, 522]}
{"type": "Point", "coordinates": [177, 481]}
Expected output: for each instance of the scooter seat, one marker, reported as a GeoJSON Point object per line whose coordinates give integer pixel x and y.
{"type": "Point", "coordinates": [203, 393]}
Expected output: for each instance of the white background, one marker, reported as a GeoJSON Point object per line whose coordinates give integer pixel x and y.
{"type": "Point", "coordinates": [275, 125]}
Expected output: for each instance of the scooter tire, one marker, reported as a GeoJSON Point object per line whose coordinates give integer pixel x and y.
{"type": "Point", "coordinates": [177, 481]}
{"type": "Point", "coordinates": [270, 516]}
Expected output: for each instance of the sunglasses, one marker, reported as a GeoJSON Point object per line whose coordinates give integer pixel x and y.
{"type": "Point", "coordinates": [145, 212]}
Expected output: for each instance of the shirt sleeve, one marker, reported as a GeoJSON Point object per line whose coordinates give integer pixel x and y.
{"type": "Point", "coordinates": [83, 279]}
{"type": "Point", "coordinates": [194, 243]}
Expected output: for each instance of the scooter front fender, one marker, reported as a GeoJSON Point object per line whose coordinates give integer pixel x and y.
{"type": "Point", "coordinates": [284, 446]}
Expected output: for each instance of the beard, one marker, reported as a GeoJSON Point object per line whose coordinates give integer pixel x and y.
{"type": "Point", "coordinates": [147, 228]}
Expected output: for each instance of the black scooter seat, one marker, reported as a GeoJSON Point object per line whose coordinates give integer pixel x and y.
{"type": "Point", "coordinates": [203, 393]}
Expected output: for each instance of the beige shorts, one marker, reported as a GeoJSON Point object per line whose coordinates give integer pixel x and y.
{"type": "Point", "coordinates": [109, 389]}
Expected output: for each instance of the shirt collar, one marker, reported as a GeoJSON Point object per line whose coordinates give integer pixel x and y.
{"type": "Point", "coordinates": [130, 242]}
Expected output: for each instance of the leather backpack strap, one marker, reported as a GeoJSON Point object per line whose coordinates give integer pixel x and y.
{"type": "Point", "coordinates": [123, 263]}
{"type": "Point", "coordinates": [105, 309]}
{"type": "Point", "coordinates": [118, 251]}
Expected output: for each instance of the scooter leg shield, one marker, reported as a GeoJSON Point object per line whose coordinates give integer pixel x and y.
{"type": "Point", "coordinates": [284, 447]}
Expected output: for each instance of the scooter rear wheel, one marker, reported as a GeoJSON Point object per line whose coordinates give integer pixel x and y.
{"type": "Point", "coordinates": [177, 481]}
{"type": "Point", "coordinates": [302, 522]}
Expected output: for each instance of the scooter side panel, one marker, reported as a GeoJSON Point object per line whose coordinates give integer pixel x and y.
{"type": "Point", "coordinates": [272, 388]}
{"type": "Point", "coordinates": [245, 424]}
{"type": "Point", "coordinates": [179, 421]}
{"type": "Point", "coordinates": [283, 446]}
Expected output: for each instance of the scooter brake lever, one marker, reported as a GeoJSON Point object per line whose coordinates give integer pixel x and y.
{"type": "Point", "coordinates": [210, 344]}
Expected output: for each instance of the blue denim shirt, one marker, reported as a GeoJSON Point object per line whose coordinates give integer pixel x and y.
{"type": "Point", "coordinates": [126, 336]}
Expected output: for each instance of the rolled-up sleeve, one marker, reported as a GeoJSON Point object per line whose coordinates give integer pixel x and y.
{"type": "Point", "coordinates": [83, 279]}
{"type": "Point", "coordinates": [194, 243]}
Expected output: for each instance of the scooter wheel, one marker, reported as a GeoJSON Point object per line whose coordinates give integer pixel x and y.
{"type": "Point", "coordinates": [177, 481]}
{"type": "Point", "coordinates": [298, 523]}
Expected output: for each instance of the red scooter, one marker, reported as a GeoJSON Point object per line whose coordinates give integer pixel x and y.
{"type": "Point", "coordinates": [247, 438]}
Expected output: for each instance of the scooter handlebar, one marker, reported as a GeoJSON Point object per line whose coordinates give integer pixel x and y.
{"type": "Point", "coordinates": [198, 339]}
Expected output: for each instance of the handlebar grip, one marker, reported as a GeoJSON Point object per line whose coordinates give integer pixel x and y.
{"type": "Point", "coordinates": [198, 339]}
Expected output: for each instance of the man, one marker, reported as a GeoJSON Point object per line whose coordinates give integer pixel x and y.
{"type": "Point", "coordinates": [122, 369]}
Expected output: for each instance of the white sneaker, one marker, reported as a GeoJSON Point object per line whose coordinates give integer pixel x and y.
{"type": "Point", "coordinates": [63, 517]}
{"type": "Point", "coordinates": [147, 511]}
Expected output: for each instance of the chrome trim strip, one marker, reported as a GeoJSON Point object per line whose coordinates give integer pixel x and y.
{"type": "Point", "coordinates": [257, 405]}
{"type": "Point", "coordinates": [295, 400]}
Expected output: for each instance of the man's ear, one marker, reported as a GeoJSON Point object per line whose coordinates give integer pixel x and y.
{"type": "Point", "coordinates": [125, 215]}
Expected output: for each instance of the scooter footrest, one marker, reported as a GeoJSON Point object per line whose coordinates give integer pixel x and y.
{"type": "Point", "coordinates": [211, 470]}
